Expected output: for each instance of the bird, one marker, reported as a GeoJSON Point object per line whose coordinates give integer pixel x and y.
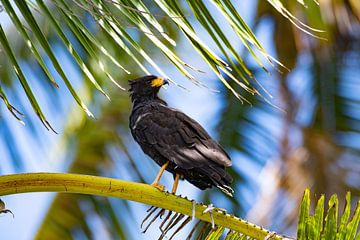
{"type": "Point", "coordinates": [175, 141]}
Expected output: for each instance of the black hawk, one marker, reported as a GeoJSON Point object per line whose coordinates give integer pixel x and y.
{"type": "Point", "coordinates": [175, 141]}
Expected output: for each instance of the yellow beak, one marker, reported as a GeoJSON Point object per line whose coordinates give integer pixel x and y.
{"type": "Point", "coordinates": [158, 82]}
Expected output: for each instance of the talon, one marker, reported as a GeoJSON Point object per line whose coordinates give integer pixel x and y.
{"type": "Point", "coordinates": [155, 183]}
{"type": "Point", "coordinates": [160, 187]}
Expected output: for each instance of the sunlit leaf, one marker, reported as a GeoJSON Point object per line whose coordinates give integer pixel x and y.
{"type": "Point", "coordinates": [331, 219]}
{"type": "Point", "coordinates": [85, 37]}
{"type": "Point", "coordinates": [23, 81]}
{"type": "Point", "coordinates": [353, 225]}
{"type": "Point", "coordinates": [304, 214]}
{"type": "Point", "coordinates": [69, 46]}
{"type": "Point", "coordinates": [17, 114]}
{"type": "Point", "coordinates": [344, 218]}
{"type": "Point", "coordinates": [25, 11]}
{"type": "Point", "coordinates": [20, 27]}
{"type": "Point", "coordinates": [319, 218]}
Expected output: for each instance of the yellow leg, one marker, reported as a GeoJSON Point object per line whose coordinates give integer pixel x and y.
{"type": "Point", "coordinates": [155, 183]}
{"type": "Point", "coordinates": [176, 183]}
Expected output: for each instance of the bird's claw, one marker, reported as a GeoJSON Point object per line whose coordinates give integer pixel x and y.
{"type": "Point", "coordinates": [209, 209]}
{"type": "Point", "coordinates": [160, 187]}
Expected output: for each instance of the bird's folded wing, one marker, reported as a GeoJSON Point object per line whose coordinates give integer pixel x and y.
{"type": "Point", "coordinates": [180, 139]}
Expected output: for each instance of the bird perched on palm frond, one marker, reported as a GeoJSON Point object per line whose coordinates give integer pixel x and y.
{"type": "Point", "coordinates": [175, 141]}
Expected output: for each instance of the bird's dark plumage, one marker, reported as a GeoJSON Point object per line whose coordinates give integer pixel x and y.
{"type": "Point", "coordinates": [166, 134]}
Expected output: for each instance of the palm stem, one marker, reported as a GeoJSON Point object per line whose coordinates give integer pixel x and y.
{"type": "Point", "coordinates": [108, 187]}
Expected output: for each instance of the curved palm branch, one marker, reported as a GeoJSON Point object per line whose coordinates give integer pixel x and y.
{"type": "Point", "coordinates": [316, 226]}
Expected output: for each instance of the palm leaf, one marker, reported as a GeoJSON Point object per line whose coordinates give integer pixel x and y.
{"type": "Point", "coordinates": [22, 79]}
{"type": "Point", "coordinates": [69, 46]}
{"type": "Point", "coordinates": [113, 16]}
{"type": "Point", "coordinates": [24, 9]}
{"type": "Point", "coordinates": [332, 229]}
{"type": "Point", "coordinates": [20, 27]}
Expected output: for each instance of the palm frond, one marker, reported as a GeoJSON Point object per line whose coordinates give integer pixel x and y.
{"type": "Point", "coordinates": [31, 97]}
{"type": "Point", "coordinates": [324, 224]}
{"type": "Point", "coordinates": [114, 16]}
{"type": "Point", "coordinates": [39, 35]}
{"type": "Point", "coordinates": [320, 225]}
{"type": "Point", "coordinates": [144, 193]}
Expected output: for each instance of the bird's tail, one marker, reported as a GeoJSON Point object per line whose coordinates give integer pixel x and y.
{"type": "Point", "coordinates": [221, 180]}
{"type": "Point", "coordinates": [226, 189]}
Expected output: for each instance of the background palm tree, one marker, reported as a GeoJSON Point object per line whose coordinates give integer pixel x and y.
{"type": "Point", "coordinates": [313, 143]}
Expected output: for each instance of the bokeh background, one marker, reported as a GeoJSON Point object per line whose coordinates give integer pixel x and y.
{"type": "Point", "coordinates": [313, 141]}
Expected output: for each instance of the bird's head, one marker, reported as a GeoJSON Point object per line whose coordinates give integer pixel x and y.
{"type": "Point", "coordinates": [146, 87]}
